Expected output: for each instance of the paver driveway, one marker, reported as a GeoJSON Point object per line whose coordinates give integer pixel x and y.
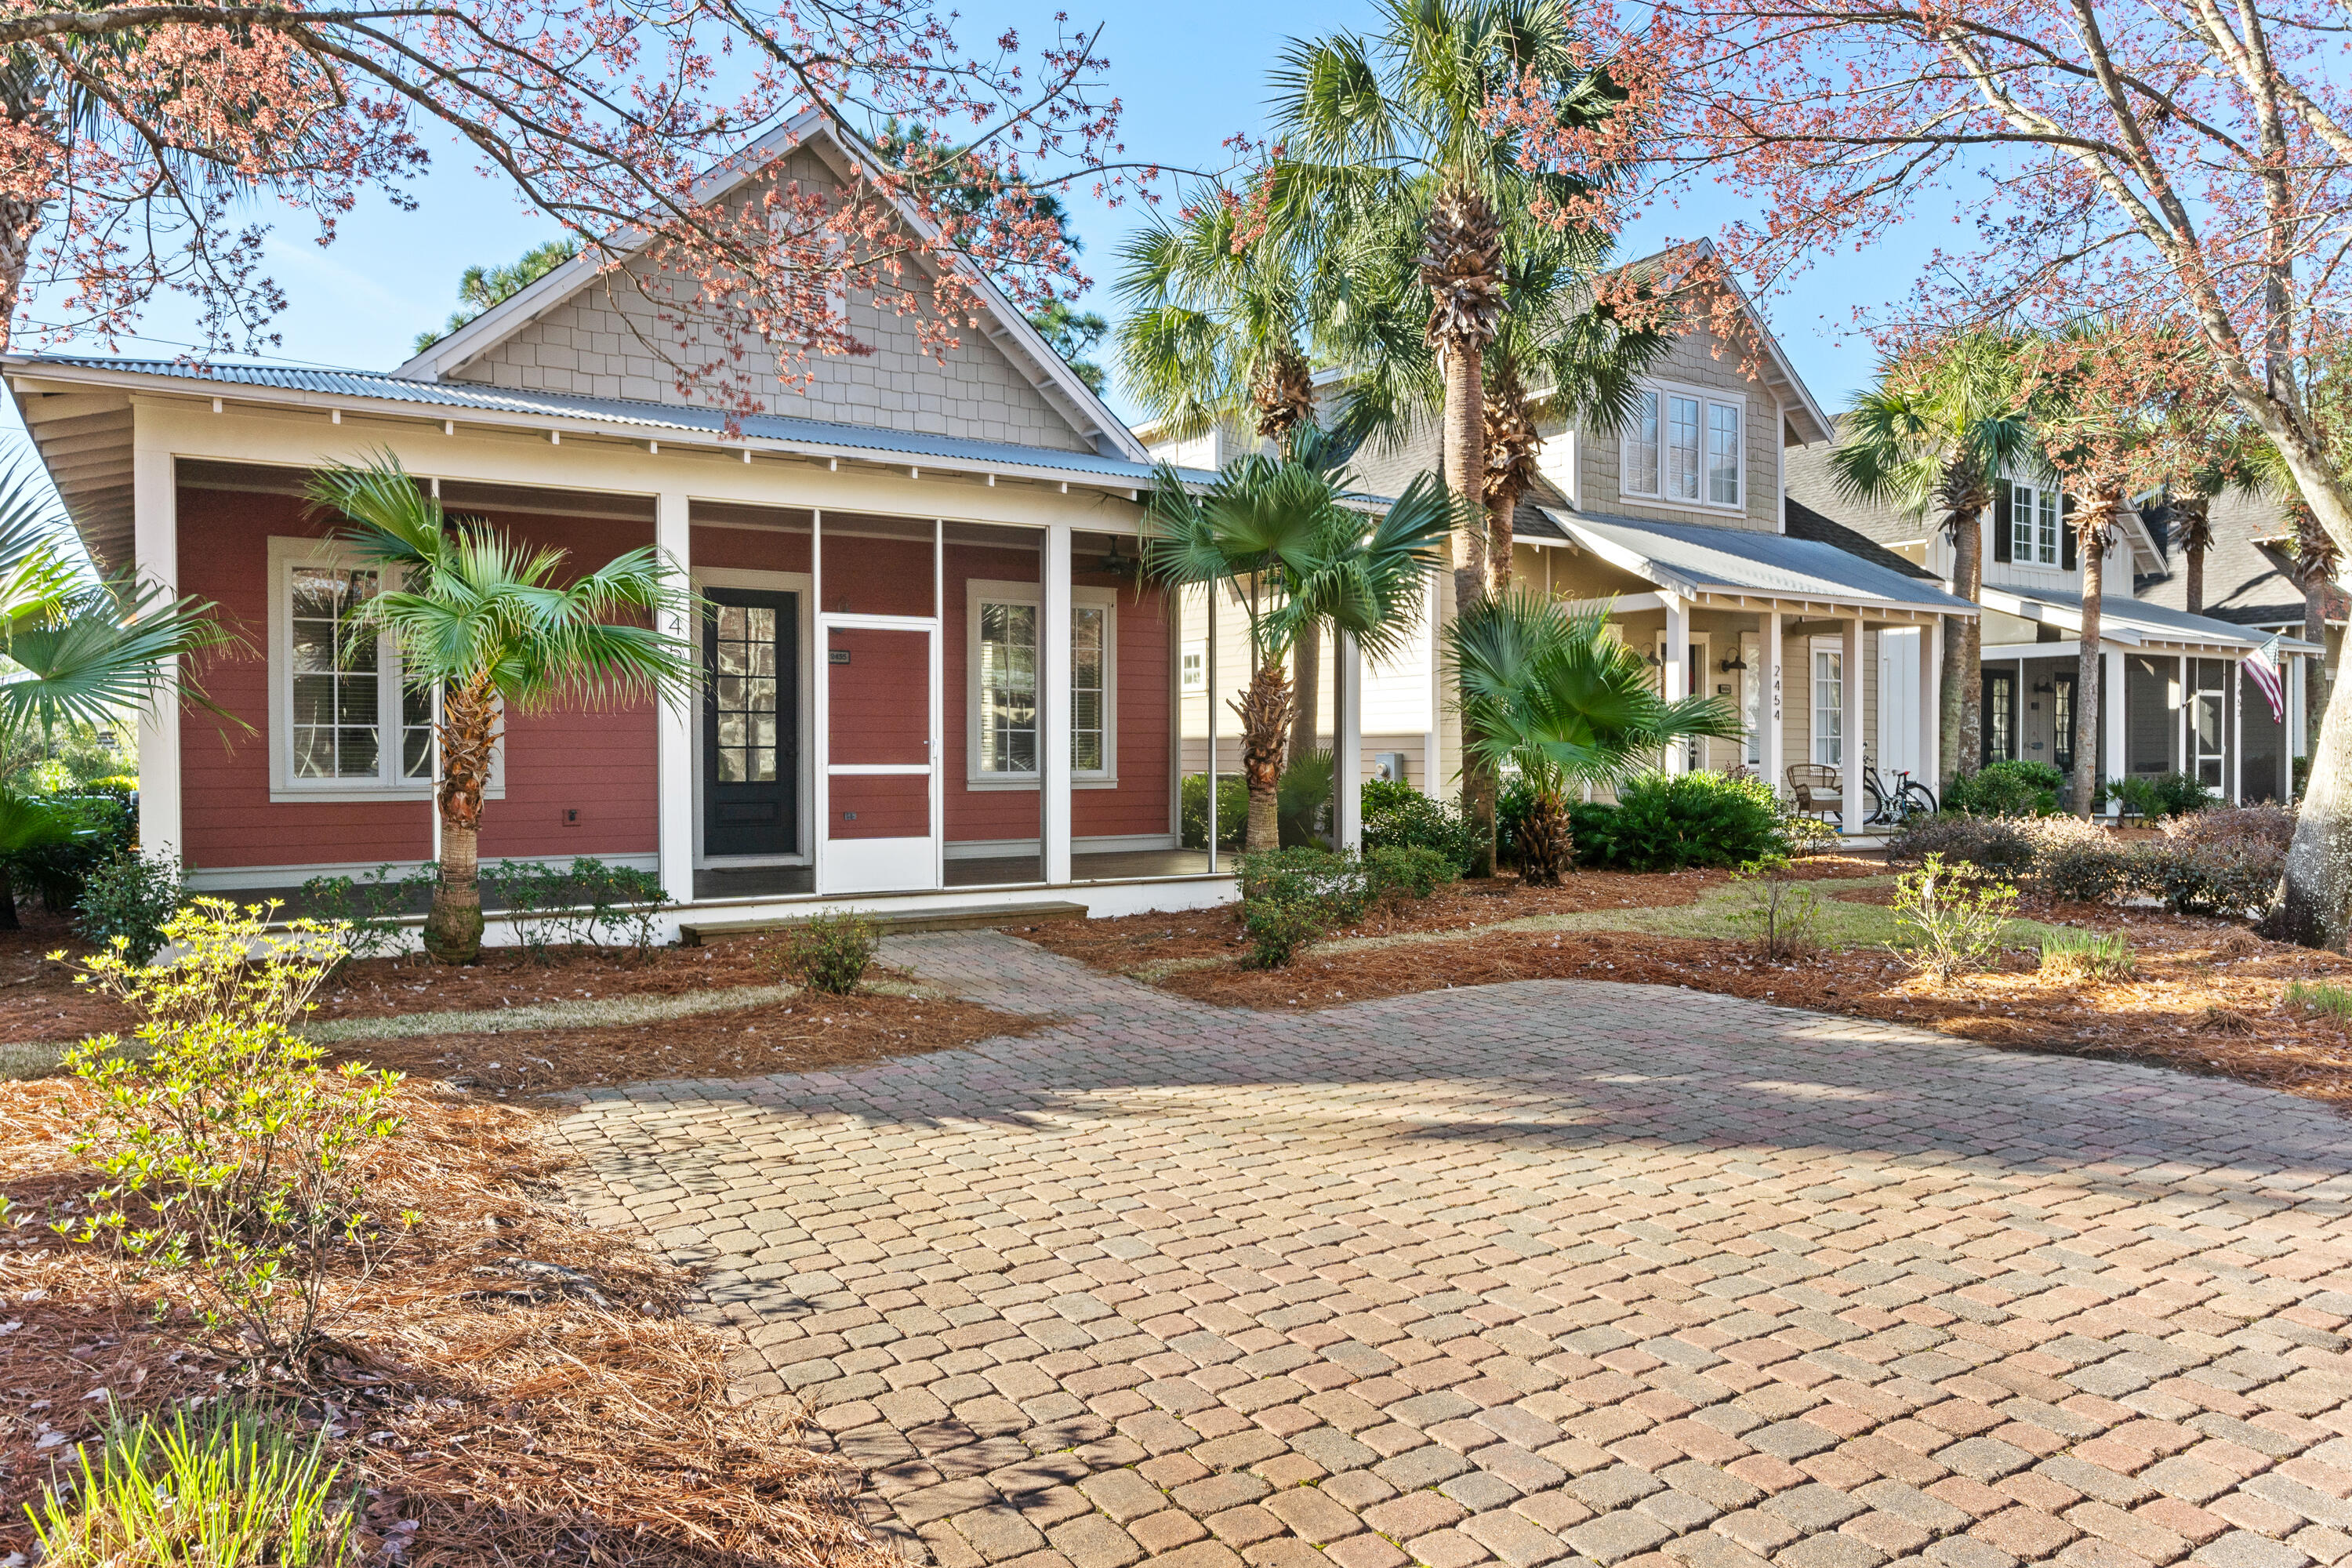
{"type": "Point", "coordinates": [1538, 1272]}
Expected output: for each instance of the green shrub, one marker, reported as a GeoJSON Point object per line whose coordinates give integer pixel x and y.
{"type": "Point", "coordinates": [1956, 915]}
{"type": "Point", "coordinates": [2087, 955]}
{"type": "Point", "coordinates": [1512, 802]}
{"type": "Point", "coordinates": [589, 903]}
{"type": "Point", "coordinates": [1398, 817]}
{"type": "Point", "coordinates": [372, 909]}
{"type": "Point", "coordinates": [228, 1487]}
{"type": "Point", "coordinates": [2073, 859]}
{"type": "Point", "coordinates": [1279, 928]}
{"type": "Point", "coordinates": [2321, 998]}
{"type": "Point", "coordinates": [126, 902]}
{"type": "Point", "coordinates": [2205, 879]}
{"type": "Point", "coordinates": [1801, 835]}
{"type": "Point", "coordinates": [104, 828]}
{"type": "Point", "coordinates": [1663, 821]}
{"type": "Point", "coordinates": [1232, 811]}
{"type": "Point", "coordinates": [1592, 825]}
{"type": "Point", "coordinates": [1780, 908]}
{"type": "Point", "coordinates": [2176, 795]}
{"type": "Point", "coordinates": [1302, 801]}
{"type": "Point", "coordinates": [1300, 872]}
{"type": "Point", "coordinates": [1995, 844]}
{"type": "Point", "coordinates": [2012, 787]}
{"type": "Point", "coordinates": [233, 1157]}
{"type": "Point", "coordinates": [1410, 871]}
{"type": "Point", "coordinates": [830, 952]}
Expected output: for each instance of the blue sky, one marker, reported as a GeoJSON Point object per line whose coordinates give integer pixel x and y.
{"type": "Point", "coordinates": [1189, 76]}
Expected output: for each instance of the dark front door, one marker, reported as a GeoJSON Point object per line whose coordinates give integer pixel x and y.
{"type": "Point", "coordinates": [750, 723]}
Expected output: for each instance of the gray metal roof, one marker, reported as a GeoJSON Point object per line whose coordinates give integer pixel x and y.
{"type": "Point", "coordinates": [652, 418]}
{"type": "Point", "coordinates": [1699, 558]}
{"type": "Point", "coordinates": [2133, 617]}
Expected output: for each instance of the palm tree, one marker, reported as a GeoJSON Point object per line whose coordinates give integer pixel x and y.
{"type": "Point", "coordinates": [1212, 338]}
{"type": "Point", "coordinates": [488, 624]}
{"type": "Point", "coordinates": [1282, 529]}
{"type": "Point", "coordinates": [1941, 426]}
{"type": "Point", "coordinates": [78, 651]}
{"type": "Point", "coordinates": [1557, 696]}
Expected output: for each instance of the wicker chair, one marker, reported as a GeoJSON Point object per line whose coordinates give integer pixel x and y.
{"type": "Point", "coordinates": [1817, 790]}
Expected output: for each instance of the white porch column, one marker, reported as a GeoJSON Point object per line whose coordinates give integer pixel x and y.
{"type": "Point", "coordinates": [1774, 752]}
{"type": "Point", "coordinates": [1214, 697]}
{"type": "Point", "coordinates": [1931, 705]}
{"type": "Point", "coordinates": [2187, 763]}
{"type": "Point", "coordinates": [1053, 703]}
{"type": "Point", "coordinates": [1347, 747]}
{"type": "Point", "coordinates": [674, 719]}
{"type": "Point", "coordinates": [2236, 774]}
{"type": "Point", "coordinates": [1850, 748]}
{"type": "Point", "coordinates": [155, 556]}
{"type": "Point", "coordinates": [1435, 775]}
{"type": "Point", "coordinates": [2298, 732]}
{"type": "Point", "coordinates": [1674, 672]}
{"type": "Point", "coordinates": [2111, 713]}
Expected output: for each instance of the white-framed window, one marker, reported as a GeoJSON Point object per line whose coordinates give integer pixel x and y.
{"type": "Point", "coordinates": [1687, 447]}
{"type": "Point", "coordinates": [1192, 660]}
{"type": "Point", "coordinates": [341, 721]}
{"type": "Point", "coordinates": [1000, 643]}
{"type": "Point", "coordinates": [1829, 705]}
{"type": "Point", "coordinates": [2033, 525]}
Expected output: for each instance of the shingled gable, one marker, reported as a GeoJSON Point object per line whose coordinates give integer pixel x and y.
{"type": "Point", "coordinates": [566, 334]}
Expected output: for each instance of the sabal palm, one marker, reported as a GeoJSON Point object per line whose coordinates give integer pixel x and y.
{"type": "Point", "coordinates": [78, 651]}
{"type": "Point", "coordinates": [1555, 694]}
{"type": "Point", "coordinates": [490, 623]}
{"type": "Point", "coordinates": [1937, 431]}
{"type": "Point", "coordinates": [1283, 531]}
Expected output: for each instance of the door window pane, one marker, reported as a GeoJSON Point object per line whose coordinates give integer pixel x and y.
{"type": "Point", "coordinates": [1722, 454]}
{"type": "Point", "coordinates": [744, 694]}
{"type": "Point", "coordinates": [1682, 448]}
{"type": "Point", "coordinates": [1641, 447]}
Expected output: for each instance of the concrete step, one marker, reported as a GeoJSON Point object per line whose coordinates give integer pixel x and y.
{"type": "Point", "coordinates": [890, 923]}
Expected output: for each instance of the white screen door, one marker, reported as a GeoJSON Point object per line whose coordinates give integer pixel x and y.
{"type": "Point", "coordinates": [1899, 719]}
{"type": "Point", "coordinates": [880, 690]}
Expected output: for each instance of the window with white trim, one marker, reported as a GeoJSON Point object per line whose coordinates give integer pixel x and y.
{"type": "Point", "coordinates": [2046, 522]}
{"type": "Point", "coordinates": [1684, 447]}
{"type": "Point", "coordinates": [1829, 705]}
{"type": "Point", "coordinates": [1002, 621]}
{"type": "Point", "coordinates": [341, 721]}
{"type": "Point", "coordinates": [2033, 526]}
{"type": "Point", "coordinates": [1194, 663]}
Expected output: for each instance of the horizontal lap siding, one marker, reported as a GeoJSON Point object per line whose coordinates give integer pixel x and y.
{"type": "Point", "coordinates": [601, 763]}
{"type": "Point", "coordinates": [748, 549]}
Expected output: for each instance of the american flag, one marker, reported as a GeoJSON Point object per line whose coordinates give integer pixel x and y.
{"type": "Point", "coordinates": [2261, 668]}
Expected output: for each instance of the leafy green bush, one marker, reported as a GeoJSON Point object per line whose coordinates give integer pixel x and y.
{"type": "Point", "coordinates": [1665, 821]}
{"type": "Point", "coordinates": [830, 952]}
{"type": "Point", "coordinates": [2156, 796]}
{"type": "Point", "coordinates": [102, 827]}
{"type": "Point", "coordinates": [1398, 817]}
{"type": "Point", "coordinates": [2087, 955]}
{"type": "Point", "coordinates": [227, 1487]}
{"type": "Point", "coordinates": [1995, 844]}
{"type": "Point", "coordinates": [233, 1157]}
{"type": "Point", "coordinates": [1279, 928]}
{"type": "Point", "coordinates": [1512, 803]}
{"type": "Point", "coordinates": [1300, 872]}
{"type": "Point", "coordinates": [1232, 811]}
{"type": "Point", "coordinates": [589, 903]}
{"type": "Point", "coordinates": [2206, 879]}
{"type": "Point", "coordinates": [126, 902]}
{"type": "Point", "coordinates": [372, 909]}
{"type": "Point", "coordinates": [1801, 835]}
{"type": "Point", "coordinates": [1409, 872]}
{"type": "Point", "coordinates": [2012, 787]}
{"type": "Point", "coordinates": [2073, 859]}
{"type": "Point", "coordinates": [1302, 801]}
{"type": "Point", "coordinates": [1956, 915]}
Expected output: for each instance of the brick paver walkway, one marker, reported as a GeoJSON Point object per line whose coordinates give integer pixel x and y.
{"type": "Point", "coordinates": [1543, 1272]}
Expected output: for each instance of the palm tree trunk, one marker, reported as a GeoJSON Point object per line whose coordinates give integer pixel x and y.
{"type": "Point", "coordinates": [1465, 471]}
{"type": "Point", "coordinates": [2317, 678]}
{"type": "Point", "coordinates": [20, 224]}
{"type": "Point", "coordinates": [1547, 849]}
{"type": "Point", "coordinates": [468, 736]}
{"type": "Point", "coordinates": [2196, 582]}
{"type": "Point", "coordinates": [2090, 751]}
{"type": "Point", "coordinates": [1265, 711]}
{"type": "Point", "coordinates": [1963, 672]}
{"type": "Point", "coordinates": [1307, 686]}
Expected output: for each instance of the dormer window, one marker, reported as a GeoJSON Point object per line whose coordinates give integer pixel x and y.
{"type": "Point", "coordinates": [1685, 447]}
{"type": "Point", "coordinates": [2026, 525]}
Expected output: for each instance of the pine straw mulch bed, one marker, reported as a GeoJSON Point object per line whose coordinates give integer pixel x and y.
{"type": "Point", "coordinates": [2207, 997]}
{"type": "Point", "coordinates": [1121, 943]}
{"type": "Point", "coordinates": [801, 1034]}
{"type": "Point", "coordinates": [38, 1000]}
{"type": "Point", "coordinates": [493, 1417]}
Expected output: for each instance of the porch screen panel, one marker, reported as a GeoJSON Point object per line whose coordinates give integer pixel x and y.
{"type": "Point", "coordinates": [2209, 718]}
{"type": "Point", "coordinates": [878, 715]}
{"type": "Point", "coordinates": [878, 565]}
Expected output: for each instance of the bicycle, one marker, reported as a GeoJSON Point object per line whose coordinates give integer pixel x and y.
{"type": "Point", "coordinates": [1896, 805]}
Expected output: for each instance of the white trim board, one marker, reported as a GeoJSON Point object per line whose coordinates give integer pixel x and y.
{"type": "Point", "coordinates": [231, 879]}
{"type": "Point", "coordinates": [1108, 843]}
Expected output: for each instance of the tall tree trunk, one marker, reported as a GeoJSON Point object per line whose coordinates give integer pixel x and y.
{"type": "Point", "coordinates": [1306, 685]}
{"type": "Point", "coordinates": [1465, 474]}
{"type": "Point", "coordinates": [2090, 749]}
{"type": "Point", "coordinates": [1265, 711]}
{"type": "Point", "coordinates": [20, 225]}
{"type": "Point", "coordinates": [2319, 683]}
{"type": "Point", "coordinates": [2312, 905]}
{"type": "Point", "coordinates": [469, 735]}
{"type": "Point", "coordinates": [1962, 690]}
{"type": "Point", "coordinates": [2196, 582]}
